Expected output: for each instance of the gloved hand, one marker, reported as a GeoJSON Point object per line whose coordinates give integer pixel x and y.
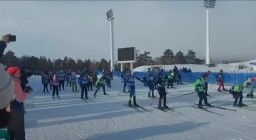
{"type": "Point", "coordinates": [28, 89]}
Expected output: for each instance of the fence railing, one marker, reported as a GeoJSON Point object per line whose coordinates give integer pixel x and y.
{"type": "Point", "coordinates": [229, 78]}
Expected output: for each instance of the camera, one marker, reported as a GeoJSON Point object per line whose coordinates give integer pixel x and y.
{"type": "Point", "coordinates": [12, 38]}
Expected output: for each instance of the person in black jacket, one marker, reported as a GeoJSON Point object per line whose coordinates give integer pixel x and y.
{"type": "Point", "coordinates": [162, 92]}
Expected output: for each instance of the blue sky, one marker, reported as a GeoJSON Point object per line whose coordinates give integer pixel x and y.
{"type": "Point", "coordinates": [80, 29]}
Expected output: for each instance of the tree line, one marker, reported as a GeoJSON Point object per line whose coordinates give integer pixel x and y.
{"type": "Point", "coordinates": [41, 63]}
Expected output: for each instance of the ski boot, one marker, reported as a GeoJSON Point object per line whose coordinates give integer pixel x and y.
{"type": "Point", "coordinates": [149, 95]}
{"type": "Point", "coordinates": [134, 102]}
{"type": "Point", "coordinates": [207, 104]}
{"type": "Point", "coordinates": [235, 104]}
{"type": "Point", "coordinates": [129, 103]}
{"type": "Point", "coordinates": [219, 90]}
{"type": "Point", "coordinates": [166, 107]}
{"type": "Point", "coordinates": [159, 105]}
{"type": "Point", "coordinates": [200, 107]}
{"type": "Point", "coordinates": [241, 105]}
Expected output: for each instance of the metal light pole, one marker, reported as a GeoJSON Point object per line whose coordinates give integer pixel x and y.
{"type": "Point", "coordinates": [110, 18]}
{"type": "Point", "coordinates": [208, 4]}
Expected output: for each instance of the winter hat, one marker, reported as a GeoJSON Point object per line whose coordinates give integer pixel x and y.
{"type": "Point", "coordinates": [6, 88]}
{"type": "Point", "coordinates": [13, 71]}
{"type": "Point", "coordinates": [205, 74]}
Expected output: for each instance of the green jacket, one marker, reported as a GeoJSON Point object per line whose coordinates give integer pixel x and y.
{"type": "Point", "coordinates": [4, 134]}
{"type": "Point", "coordinates": [199, 85]}
{"type": "Point", "coordinates": [99, 82]}
{"type": "Point", "coordinates": [239, 88]}
{"type": "Point", "coordinates": [171, 75]}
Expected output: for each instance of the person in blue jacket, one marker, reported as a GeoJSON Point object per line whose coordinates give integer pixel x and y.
{"type": "Point", "coordinates": [83, 81]}
{"type": "Point", "coordinates": [124, 79]}
{"type": "Point", "coordinates": [131, 86]}
{"type": "Point", "coordinates": [151, 87]}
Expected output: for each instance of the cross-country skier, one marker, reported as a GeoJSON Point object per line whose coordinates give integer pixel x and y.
{"type": "Point", "coordinates": [162, 93]}
{"type": "Point", "coordinates": [124, 79]}
{"type": "Point", "coordinates": [100, 83]}
{"type": "Point", "coordinates": [131, 85]}
{"type": "Point", "coordinates": [206, 84]}
{"type": "Point", "coordinates": [83, 81]}
{"type": "Point", "coordinates": [150, 84]}
{"type": "Point", "coordinates": [199, 86]}
{"type": "Point", "coordinates": [237, 92]}
{"type": "Point", "coordinates": [251, 88]}
{"type": "Point", "coordinates": [220, 80]}
{"type": "Point", "coordinates": [170, 79]}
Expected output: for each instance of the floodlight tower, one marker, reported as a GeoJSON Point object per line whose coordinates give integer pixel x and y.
{"type": "Point", "coordinates": [208, 4]}
{"type": "Point", "coordinates": [110, 18]}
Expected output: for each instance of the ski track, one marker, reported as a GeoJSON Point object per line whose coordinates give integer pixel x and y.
{"type": "Point", "coordinates": [105, 117]}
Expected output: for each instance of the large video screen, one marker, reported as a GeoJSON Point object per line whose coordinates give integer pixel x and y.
{"type": "Point", "coordinates": [126, 54]}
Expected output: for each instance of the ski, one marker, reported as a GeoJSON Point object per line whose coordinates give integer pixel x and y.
{"type": "Point", "coordinates": [248, 108]}
{"type": "Point", "coordinates": [160, 109]}
{"type": "Point", "coordinates": [173, 110]}
{"type": "Point", "coordinates": [208, 111]}
{"type": "Point", "coordinates": [185, 94]}
{"type": "Point", "coordinates": [166, 110]}
{"type": "Point", "coordinates": [144, 109]}
{"type": "Point", "coordinates": [220, 107]}
{"type": "Point", "coordinates": [223, 108]}
{"type": "Point", "coordinates": [133, 108]}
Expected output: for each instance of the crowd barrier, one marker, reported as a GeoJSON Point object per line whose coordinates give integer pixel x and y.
{"type": "Point", "coordinates": [229, 78]}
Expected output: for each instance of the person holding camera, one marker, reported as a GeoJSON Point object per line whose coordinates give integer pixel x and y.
{"type": "Point", "coordinates": [6, 90]}
{"type": "Point", "coordinates": [16, 127]}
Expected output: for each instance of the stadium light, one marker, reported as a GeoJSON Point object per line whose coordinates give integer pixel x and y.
{"type": "Point", "coordinates": [208, 4]}
{"type": "Point", "coordinates": [110, 18]}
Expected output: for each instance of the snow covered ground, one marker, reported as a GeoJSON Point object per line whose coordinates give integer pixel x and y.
{"type": "Point", "coordinates": [107, 118]}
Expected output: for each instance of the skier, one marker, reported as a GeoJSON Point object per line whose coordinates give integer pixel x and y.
{"type": "Point", "coordinates": [100, 83]}
{"type": "Point", "coordinates": [199, 86]}
{"type": "Point", "coordinates": [220, 80]}
{"type": "Point", "coordinates": [237, 91]}
{"type": "Point", "coordinates": [252, 86]}
{"type": "Point", "coordinates": [150, 84]}
{"type": "Point", "coordinates": [45, 80]}
{"type": "Point", "coordinates": [73, 80]}
{"type": "Point", "coordinates": [83, 81]}
{"type": "Point", "coordinates": [61, 76]}
{"type": "Point", "coordinates": [90, 83]}
{"type": "Point", "coordinates": [170, 79]}
{"type": "Point", "coordinates": [67, 76]}
{"type": "Point", "coordinates": [162, 93]}
{"type": "Point", "coordinates": [125, 81]}
{"type": "Point", "coordinates": [55, 86]}
{"type": "Point", "coordinates": [206, 84]}
{"type": "Point", "coordinates": [131, 85]}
